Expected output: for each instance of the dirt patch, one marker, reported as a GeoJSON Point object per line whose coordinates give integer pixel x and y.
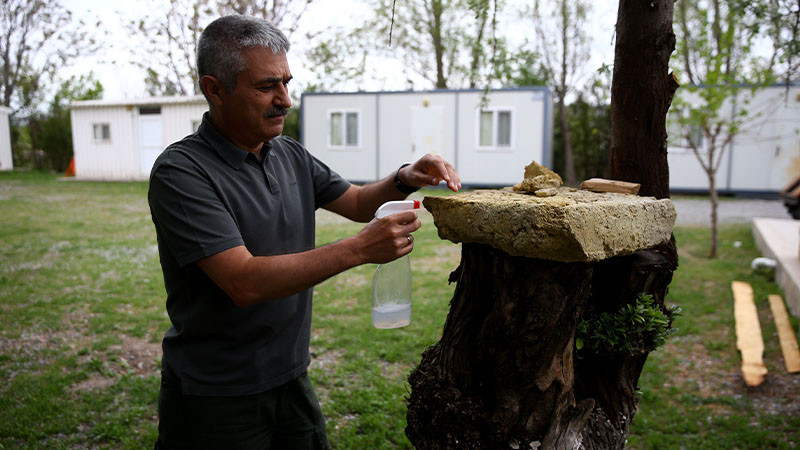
{"type": "Point", "coordinates": [686, 253]}
{"type": "Point", "coordinates": [343, 421]}
{"type": "Point", "coordinates": [139, 355]}
{"type": "Point", "coordinates": [702, 371]}
{"type": "Point", "coordinates": [394, 371]}
{"type": "Point", "coordinates": [47, 260]}
{"type": "Point", "coordinates": [33, 345]}
{"type": "Point", "coordinates": [32, 351]}
{"type": "Point", "coordinates": [325, 361]}
{"type": "Point", "coordinates": [133, 356]}
{"type": "Point", "coordinates": [94, 383]}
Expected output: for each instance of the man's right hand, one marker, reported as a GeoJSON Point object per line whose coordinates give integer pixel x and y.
{"type": "Point", "coordinates": [387, 239]}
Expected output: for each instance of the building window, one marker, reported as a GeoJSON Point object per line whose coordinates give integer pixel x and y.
{"type": "Point", "coordinates": [195, 125]}
{"type": "Point", "coordinates": [102, 132]}
{"type": "Point", "coordinates": [149, 110]}
{"type": "Point", "coordinates": [344, 129]}
{"type": "Point", "coordinates": [495, 128]}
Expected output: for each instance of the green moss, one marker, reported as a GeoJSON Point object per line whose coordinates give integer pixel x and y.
{"type": "Point", "coordinates": [638, 327]}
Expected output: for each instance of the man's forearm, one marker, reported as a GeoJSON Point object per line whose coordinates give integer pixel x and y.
{"type": "Point", "coordinates": [359, 203]}
{"type": "Point", "coordinates": [273, 277]}
{"type": "Point", "coordinates": [249, 279]}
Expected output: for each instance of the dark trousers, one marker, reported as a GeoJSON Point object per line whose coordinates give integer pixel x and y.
{"type": "Point", "coordinates": [286, 417]}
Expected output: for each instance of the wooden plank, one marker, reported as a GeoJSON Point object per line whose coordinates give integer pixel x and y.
{"type": "Point", "coordinates": [603, 185]}
{"type": "Point", "coordinates": [791, 354]}
{"type": "Point", "coordinates": [748, 334]}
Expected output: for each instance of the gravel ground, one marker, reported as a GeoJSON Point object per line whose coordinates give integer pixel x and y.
{"type": "Point", "coordinates": [697, 212]}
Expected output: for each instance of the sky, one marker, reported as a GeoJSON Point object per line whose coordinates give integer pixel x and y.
{"type": "Point", "coordinates": [122, 80]}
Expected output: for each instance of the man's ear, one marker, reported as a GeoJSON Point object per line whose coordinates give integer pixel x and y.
{"type": "Point", "coordinates": [213, 89]}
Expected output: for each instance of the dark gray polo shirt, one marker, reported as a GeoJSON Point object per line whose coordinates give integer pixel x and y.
{"type": "Point", "coordinates": [207, 195]}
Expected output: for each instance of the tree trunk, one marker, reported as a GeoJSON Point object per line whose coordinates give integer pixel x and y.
{"type": "Point", "coordinates": [435, 30]}
{"type": "Point", "coordinates": [505, 373]}
{"type": "Point", "coordinates": [569, 159]}
{"type": "Point", "coordinates": [712, 190]}
{"type": "Point", "coordinates": [641, 93]}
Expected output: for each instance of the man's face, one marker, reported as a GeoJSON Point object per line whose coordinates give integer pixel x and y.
{"type": "Point", "coordinates": [257, 105]}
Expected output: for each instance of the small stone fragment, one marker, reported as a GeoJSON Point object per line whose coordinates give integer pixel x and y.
{"type": "Point", "coordinates": [546, 192]}
{"type": "Point", "coordinates": [538, 177]}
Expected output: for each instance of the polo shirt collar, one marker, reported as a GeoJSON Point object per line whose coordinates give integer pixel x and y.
{"type": "Point", "coordinates": [229, 152]}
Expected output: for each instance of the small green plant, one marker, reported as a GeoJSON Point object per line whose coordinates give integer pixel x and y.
{"type": "Point", "coordinates": [636, 328]}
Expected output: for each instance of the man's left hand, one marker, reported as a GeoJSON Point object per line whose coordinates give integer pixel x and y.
{"type": "Point", "coordinates": [430, 170]}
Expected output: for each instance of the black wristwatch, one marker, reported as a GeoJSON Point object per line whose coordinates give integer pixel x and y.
{"type": "Point", "coordinates": [402, 187]}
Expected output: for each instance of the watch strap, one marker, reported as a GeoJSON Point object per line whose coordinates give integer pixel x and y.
{"type": "Point", "coordinates": [402, 187]}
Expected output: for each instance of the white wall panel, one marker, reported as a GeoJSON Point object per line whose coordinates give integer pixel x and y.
{"type": "Point", "coordinates": [353, 163]}
{"type": "Point", "coordinates": [396, 142]}
{"type": "Point", "coordinates": [119, 158]}
{"type": "Point", "coordinates": [6, 160]}
{"type": "Point", "coordinates": [764, 155]}
{"type": "Point", "coordinates": [502, 166]}
{"type": "Point", "coordinates": [403, 137]}
{"type": "Point", "coordinates": [115, 159]}
{"type": "Point", "coordinates": [177, 120]}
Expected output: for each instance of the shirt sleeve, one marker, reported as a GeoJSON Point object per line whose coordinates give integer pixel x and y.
{"type": "Point", "coordinates": [190, 217]}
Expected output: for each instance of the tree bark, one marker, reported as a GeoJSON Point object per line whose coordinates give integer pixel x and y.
{"type": "Point", "coordinates": [641, 94]}
{"type": "Point", "coordinates": [569, 159]}
{"type": "Point", "coordinates": [712, 190]}
{"type": "Point", "coordinates": [611, 380]}
{"type": "Point", "coordinates": [505, 372]}
{"type": "Point", "coordinates": [435, 30]}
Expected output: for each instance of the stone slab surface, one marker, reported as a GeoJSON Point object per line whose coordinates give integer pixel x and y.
{"type": "Point", "coordinates": [779, 239]}
{"type": "Point", "coordinates": [570, 226]}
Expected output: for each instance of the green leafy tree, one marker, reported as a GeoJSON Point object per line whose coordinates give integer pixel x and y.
{"type": "Point", "coordinates": [425, 35]}
{"type": "Point", "coordinates": [37, 37]}
{"type": "Point", "coordinates": [779, 20]}
{"type": "Point", "coordinates": [165, 43]}
{"type": "Point", "coordinates": [589, 123]}
{"type": "Point", "coordinates": [715, 55]}
{"type": "Point", "coordinates": [564, 47]}
{"type": "Point", "coordinates": [51, 131]}
{"type": "Point", "coordinates": [440, 43]}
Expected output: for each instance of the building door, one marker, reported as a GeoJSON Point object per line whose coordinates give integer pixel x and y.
{"type": "Point", "coordinates": [150, 138]}
{"type": "Point", "coordinates": [427, 132]}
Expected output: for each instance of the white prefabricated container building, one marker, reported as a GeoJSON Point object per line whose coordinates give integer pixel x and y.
{"type": "Point", "coordinates": [365, 136]}
{"type": "Point", "coordinates": [6, 161]}
{"type": "Point", "coordinates": [120, 140]}
{"type": "Point", "coordinates": [763, 158]}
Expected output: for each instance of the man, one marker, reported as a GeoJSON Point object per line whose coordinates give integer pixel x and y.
{"type": "Point", "coordinates": [233, 206]}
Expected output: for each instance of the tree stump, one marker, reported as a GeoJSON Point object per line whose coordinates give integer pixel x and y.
{"type": "Point", "coordinates": [506, 373]}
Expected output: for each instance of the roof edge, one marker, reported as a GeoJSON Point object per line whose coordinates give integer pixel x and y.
{"type": "Point", "coordinates": [431, 91]}
{"type": "Point", "coordinates": [166, 100]}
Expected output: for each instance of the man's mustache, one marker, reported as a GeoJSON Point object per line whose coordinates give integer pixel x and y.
{"type": "Point", "coordinates": [276, 111]}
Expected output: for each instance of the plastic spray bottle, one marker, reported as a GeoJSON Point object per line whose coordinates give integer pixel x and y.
{"type": "Point", "coordinates": [391, 284]}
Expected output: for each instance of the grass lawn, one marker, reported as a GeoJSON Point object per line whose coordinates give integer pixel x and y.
{"type": "Point", "coordinates": [82, 314]}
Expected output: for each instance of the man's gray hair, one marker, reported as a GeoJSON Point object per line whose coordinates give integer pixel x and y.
{"type": "Point", "coordinates": [219, 51]}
